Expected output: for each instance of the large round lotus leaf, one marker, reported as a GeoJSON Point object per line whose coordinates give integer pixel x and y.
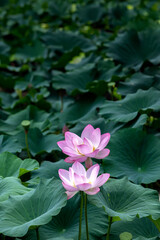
{"type": "Point", "coordinates": [9, 144]}
{"type": "Point", "coordinates": [74, 81]}
{"type": "Point", "coordinates": [140, 121]}
{"type": "Point", "coordinates": [125, 200]}
{"type": "Point", "coordinates": [137, 81]}
{"type": "Point", "coordinates": [35, 208]}
{"type": "Point", "coordinates": [81, 61]}
{"type": "Point", "coordinates": [11, 165]}
{"type": "Point", "coordinates": [66, 224]}
{"type": "Point", "coordinates": [144, 238]}
{"type": "Point", "coordinates": [39, 142]}
{"type": "Point", "coordinates": [138, 228]}
{"type": "Point", "coordinates": [50, 169]}
{"type": "Point", "coordinates": [6, 100]}
{"type": "Point", "coordinates": [119, 14]}
{"type": "Point", "coordinates": [134, 48]}
{"type": "Point", "coordinates": [105, 126]}
{"type": "Point", "coordinates": [56, 8]}
{"type": "Point", "coordinates": [156, 223]}
{"type": "Point", "coordinates": [30, 53]}
{"type": "Point", "coordinates": [36, 79]}
{"type": "Point", "coordinates": [109, 72]}
{"type": "Point", "coordinates": [135, 154]}
{"type": "Point", "coordinates": [90, 13]}
{"type": "Point", "coordinates": [12, 125]}
{"type": "Point", "coordinates": [4, 48]}
{"type": "Point", "coordinates": [66, 41]}
{"type": "Point", "coordinates": [83, 110]}
{"type": "Point", "coordinates": [31, 235]}
{"type": "Point", "coordinates": [98, 123]}
{"type": "Point", "coordinates": [127, 109]}
{"type": "Point", "coordinates": [10, 186]}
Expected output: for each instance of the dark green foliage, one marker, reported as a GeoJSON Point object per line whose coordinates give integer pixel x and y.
{"type": "Point", "coordinates": [65, 64]}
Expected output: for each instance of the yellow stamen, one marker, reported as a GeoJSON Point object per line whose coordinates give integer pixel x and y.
{"type": "Point", "coordinates": [74, 185]}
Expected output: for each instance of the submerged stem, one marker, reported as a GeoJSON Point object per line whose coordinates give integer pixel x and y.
{"type": "Point", "coordinates": [109, 227]}
{"type": "Point", "coordinates": [86, 218]}
{"type": "Point", "coordinates": [80, 217]}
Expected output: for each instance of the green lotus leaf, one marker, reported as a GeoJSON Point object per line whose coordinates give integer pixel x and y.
{"type": "Point", "coordinates": [141, 120]}
{"type": "Point", "coordinates": [6, 99]}
{"type": "Point", "coordinates": [108, 71]}
{"type": "Point", "coordinates": [35, 208]}
{"type": "Point", "coordinates": [119, 15]}
{"type": "Point", "coordinates": [142, 227]}
{"type": "Point", "coordinates": [9, 144]}
{"type": "Point", "coordinates": [66, 224]}
{"type": "Point", "coordinates": [10, 186]}
{"type": "Point", "coordinates": [35, 79]}
{"type": "Point", "coordinates": [105, 126]}
{"type": "Point", "coordinates": [58, 8]}
{"type": "Point", "coordinates": [135, 154]}
{"type": "Point", "coordinates": [30, 53]}
{"type": "Point", "coordinates": [28, 165]}
{"type": "Point", "coordinates": [11, 165]}
{"type": "Point", "coordinates": [156, 222]}
{"type": "Point", "coordinates": [31, 235]}
{"type": "Point", "coordinates": [123, 199]}
{"type": "Point", "coordinates": [127, 109]}
{"type": "Point", "coordinates": [82, 60]}
{"type": "Point", "coordinates": [83, 110]}
{"type": "Point", "coordinates": [74, 81]}
{"type": "Point", "coordinates": [50, 169]}
{"type": "Point", "coordinates": [144, 238]}
{"type": "Point", "coordinates": [98, 123]}
{"type": "Point", "coordinates": [37, 96]}
{"type": "Point", "coordinates": [137, 81]}
{"type": "Point", "coordinates": [5, 80]}
{"type": "Point", "coordinates": [4, 48]}
{"type": "Point", "coordinates": [66, 41]}
{"type": "Point", "coordinates": [90, 13]}
{"type": "Point", "coordinates": [66, 58]}
{"type": "Point", "coordinates": [98, 87]}
{"type": "Point", "coordinates": [39, 143]}
{"type": "Point", "coordinates": [37, 117]}
{"type": "Point", "coordinates": [134, 48]}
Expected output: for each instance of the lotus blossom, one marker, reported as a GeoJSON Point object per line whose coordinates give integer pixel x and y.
{"type": "Point", "coordinates": [78, 179]}
{"type": "Point", "coordinates": [91, 144]}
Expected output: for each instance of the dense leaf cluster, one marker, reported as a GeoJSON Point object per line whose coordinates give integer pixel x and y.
{"type": "Point", "coordinates": [65, 64]}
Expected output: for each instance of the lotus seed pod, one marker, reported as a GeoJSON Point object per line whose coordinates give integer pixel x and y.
{"type": "Point", "coordinates": [26, 124]}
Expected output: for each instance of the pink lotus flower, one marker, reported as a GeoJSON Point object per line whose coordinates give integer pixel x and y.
{"type": "Point", "coordinates": [91, 144]}
{"type": "Point", "coordinates": [78, 179]}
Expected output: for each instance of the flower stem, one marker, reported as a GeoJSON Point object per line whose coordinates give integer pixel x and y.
{"type": "Point", "coordinates": [80, 217]}
{"type": "Point", "coordinates": [86, 219]}
{"type": "Point", "coordinates": [109, 227]}
{"type": "Point", "coordinates": [27, 146]}
{"type": "Point", "coordinates": [88, 163]}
